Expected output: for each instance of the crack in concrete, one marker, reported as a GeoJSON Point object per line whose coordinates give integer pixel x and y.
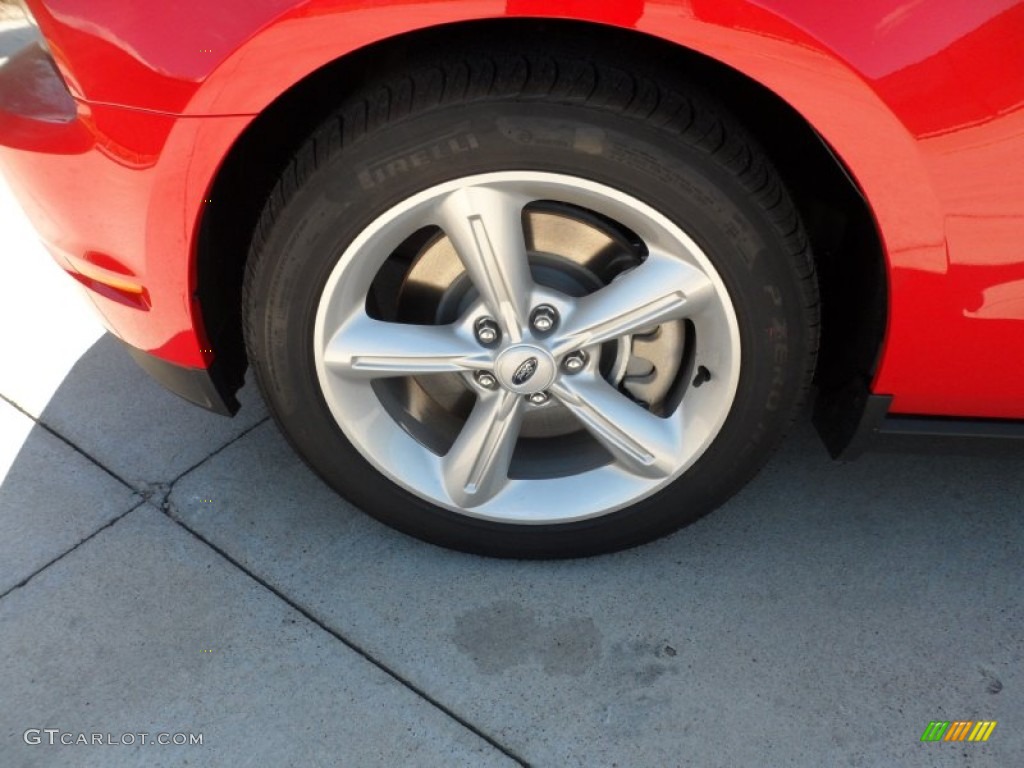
{"type": "Point", "coordinates": [158, 494]}
{"type": "Point", "coordinates": [68, 551]}
{"type": "Point", "coordinates": [68, 442]}
{"type": "Point", "coordinates": [307, 613]}
{"type": "Point", "coordinates": [145, 491]}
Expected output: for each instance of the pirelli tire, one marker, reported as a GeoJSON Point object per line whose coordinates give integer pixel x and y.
{"type": "Point", "coordinates": [531, 306]}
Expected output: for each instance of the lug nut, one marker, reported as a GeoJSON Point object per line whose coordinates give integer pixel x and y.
{"type": "Point", "coordinates": [575, 362]}
{"type": "Point", "coordinates": [544, 318]}
{"type": "Point", "coordinates": [538, 398]}
{"type": "Point", "coordinates": [486, 379]}
{"type": "Point", "coordinates": [487, 331]}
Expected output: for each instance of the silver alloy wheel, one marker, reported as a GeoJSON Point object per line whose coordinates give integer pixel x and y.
{"type": "Point", "coordinates": [482, 216]}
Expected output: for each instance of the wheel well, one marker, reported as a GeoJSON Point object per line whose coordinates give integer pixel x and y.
{"type": "Point", "coordinates": [847, 247]}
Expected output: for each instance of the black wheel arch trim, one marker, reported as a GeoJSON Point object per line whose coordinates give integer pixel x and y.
{"type": "Point", "coordinates": [208, 388]}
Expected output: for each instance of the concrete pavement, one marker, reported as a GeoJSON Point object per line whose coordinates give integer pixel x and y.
{"type": "Point", "coordinates": [165, 570]}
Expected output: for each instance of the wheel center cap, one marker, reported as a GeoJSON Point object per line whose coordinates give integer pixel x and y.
{"type": "Point", "coordinates": [525, 369]}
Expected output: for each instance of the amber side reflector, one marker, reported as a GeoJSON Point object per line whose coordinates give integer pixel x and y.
{"type": "Point", "coordinates": [100, 275]}
{"type": "Point", "coordinates": [115, 288]}
{"type": "Point", "coordinates": [106, 276]}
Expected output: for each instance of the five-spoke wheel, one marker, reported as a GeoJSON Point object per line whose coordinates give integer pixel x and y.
{"type": "Point", "coordinates": [519, 343]}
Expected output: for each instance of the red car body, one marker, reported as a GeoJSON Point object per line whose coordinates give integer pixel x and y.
{"type": "Point", "coordinates": [922, 104]}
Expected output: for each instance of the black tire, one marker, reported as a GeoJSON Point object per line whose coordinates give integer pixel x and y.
{"type": "Point", "coordinates": [670, 147]}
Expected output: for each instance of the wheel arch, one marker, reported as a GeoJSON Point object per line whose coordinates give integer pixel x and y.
{"type": "Point", "coordinates": [845, 229]}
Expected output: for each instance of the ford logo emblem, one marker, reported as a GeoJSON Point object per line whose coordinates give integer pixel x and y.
{"type": "Point", "coordinates": [525, 370]}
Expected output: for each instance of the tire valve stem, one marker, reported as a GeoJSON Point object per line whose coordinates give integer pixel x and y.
{"type": "Point", "coordinates": [703, 374]}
